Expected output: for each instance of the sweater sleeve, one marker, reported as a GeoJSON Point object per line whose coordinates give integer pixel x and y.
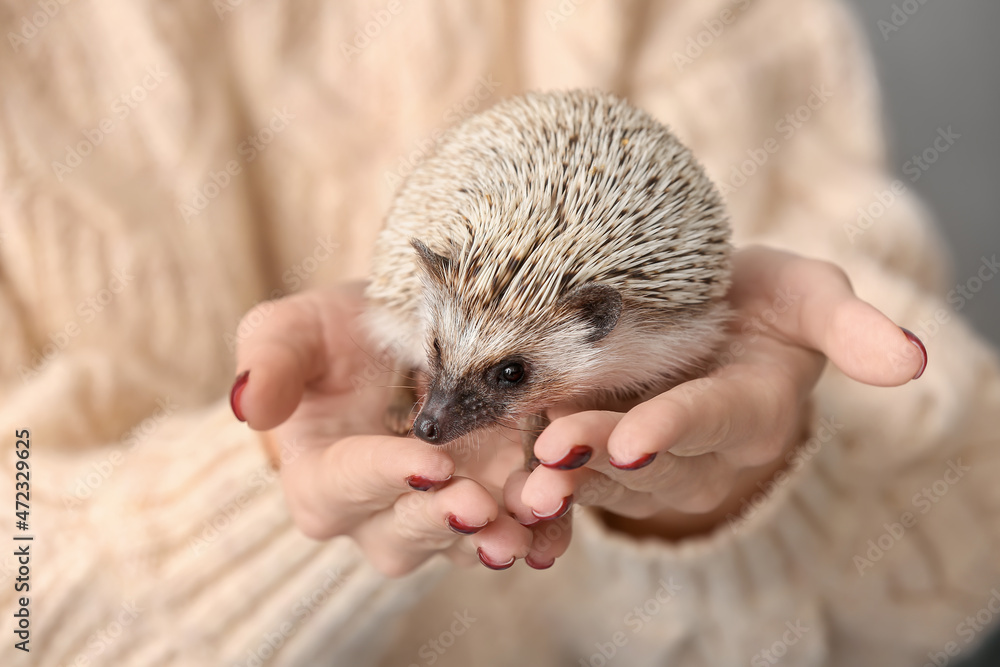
{"type": "Point", "coordinates": [881, 537]}
{"type": "Point", "coordinates": [120, 284]}
{"type": "Point", "coordinates": [875, 547]}
{"type": "Point", "coordinates": [177, 549]}
{"type": "Point", "coordinates": [129, 250]}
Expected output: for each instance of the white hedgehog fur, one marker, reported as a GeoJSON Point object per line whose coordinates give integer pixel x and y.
{"type": "Point", "coordinates": [535, 197]}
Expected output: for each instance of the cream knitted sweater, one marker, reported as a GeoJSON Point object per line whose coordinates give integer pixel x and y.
{"type": "Point", "coordinates": [164, 166]}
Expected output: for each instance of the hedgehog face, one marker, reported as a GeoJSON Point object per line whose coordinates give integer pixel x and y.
{"type": "Point", "coordinates": [490, 367]}
{"type": "Point", "coordinates": [462, 400]}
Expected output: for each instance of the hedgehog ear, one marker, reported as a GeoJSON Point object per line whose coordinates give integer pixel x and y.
{"type": "Point", "coordinates": [434, 264]}
{"type": "Point", "coordinates": [598, 305]}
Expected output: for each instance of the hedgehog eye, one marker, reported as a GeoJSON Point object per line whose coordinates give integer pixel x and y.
{"type": "Point", "coordinates": [437, 348]}
{"type": "Point", "coordinates": [512, 373]}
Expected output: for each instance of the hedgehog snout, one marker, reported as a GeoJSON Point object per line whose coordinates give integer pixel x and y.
{"type": "Point", "coordinates": [426, 428]}
{"type": "Point", "coordinates": [447, 415]}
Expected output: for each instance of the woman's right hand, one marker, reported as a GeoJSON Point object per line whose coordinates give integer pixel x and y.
{"type": "Point", "coordinates": [316, 390]}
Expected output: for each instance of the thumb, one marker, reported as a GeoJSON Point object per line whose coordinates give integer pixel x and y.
{"type": "Point", "coordinates": [282, 353]}
{"type": "Point", "coordinates": [868, 347]}
{"type": "Point", "coordinates": [824, 314]}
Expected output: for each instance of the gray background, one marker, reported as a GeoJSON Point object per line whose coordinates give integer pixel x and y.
{"type": "Point", "coordinates": [941, 68]}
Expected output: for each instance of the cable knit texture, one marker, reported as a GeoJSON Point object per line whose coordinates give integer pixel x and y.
{"type": "Point", "coordinates": [163, 166]}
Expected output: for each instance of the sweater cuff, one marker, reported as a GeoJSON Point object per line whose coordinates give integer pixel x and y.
{"type": "Point", "coordinates": [757, 511]}
{"type": "Point", "coordinates": [179, 550]}
{"type": "Point", "coordinates": [754, 576]}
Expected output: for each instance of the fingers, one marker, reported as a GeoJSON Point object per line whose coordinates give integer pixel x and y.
{"type": "Point", "coordinates": [812, 304]}
{"type": "Point", "coordinates": [288, 345]}
{"type": "Point", "coordinates": [284, 353]}
{"type": "Point", "coordinates": [331, 490]}
{"type": "Point", "coordinates": [502, 542]}
{"type": "Point", "coordinates": [589, 429]}
{"type": "Point", "coordinates": [512, 498]}
{"type": "Point", "coordinates": [558, 496]}
{"type": "Point", "coordinates": [694, 483]}
{"type": "Point", "coordinates": [868, 347]}
{"type": "Point", "coordinates": [567, 445]}
{"type": "Point", "coordinates": [363, 486]}
{"type": "Point", "coordinates": [420, 524]}
{"type": "Point", "coordinates": [747, 412]}
{"type": "Point", "coordinates": [548, 539]}
{"type": "Point", "coordinates": [689, 484]}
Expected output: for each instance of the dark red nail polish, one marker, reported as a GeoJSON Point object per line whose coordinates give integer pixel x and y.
{"type": "Point", "coordinates": [576, 458]}
{"type": "Point", "coordinates": [920, 346]}
{"type": "Point", "coordinates": [485, 560]}
{"type": "Point", "coordinates": [640, 462]}
{"type": "Point", "coordinates": [420, 483]}
{"type": "Point", "coordinates": [462, 528]}
{"type": "Point", "coordinates": [566, 504]}
{"type": "Point", "coordinates": [539, 566]}
{"type": "Point", "coordinates": [236, 392]}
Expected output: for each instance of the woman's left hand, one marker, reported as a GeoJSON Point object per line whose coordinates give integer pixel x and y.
{"type": "Point", "coordinates": [678, 463]}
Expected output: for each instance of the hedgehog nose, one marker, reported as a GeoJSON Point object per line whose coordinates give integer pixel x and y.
{"type": "Point", "coordinates": [426, 428]}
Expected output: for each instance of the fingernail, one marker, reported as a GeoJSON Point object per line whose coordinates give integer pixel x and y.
{"type": "Point", "coordinates": [538, 566]}
{"type": "Point", "coordinates": [485, 560]}
{"type": "Point", "coordinates": [566, 503]}
{"type": "Point", "coordinates": [237, 392]}
{"type": "Point", "coordinates": [461, 527]}
{"type": "Point", "coordinates": [920, 346]}
{"type": "Point", "coordinates": [421, 483]}
{"type": "Point", "coordinates": [640, 462]}
{"type": "Point", "coordinates": [576, 458]}
{"type": "Point", "coordinates": [529, 524]}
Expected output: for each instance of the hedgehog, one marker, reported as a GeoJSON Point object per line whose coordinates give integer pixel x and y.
{"type": "Point", "coordinates": [557, 247]}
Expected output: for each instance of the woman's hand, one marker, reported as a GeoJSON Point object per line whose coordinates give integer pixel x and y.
{"type": "Point", "coordinates": [319, 393]}
{"type": "Point", "coordinates": [682, 460]}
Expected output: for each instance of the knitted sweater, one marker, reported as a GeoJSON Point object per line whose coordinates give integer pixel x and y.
{"type": "Point", "coordinates": [164, 166]}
